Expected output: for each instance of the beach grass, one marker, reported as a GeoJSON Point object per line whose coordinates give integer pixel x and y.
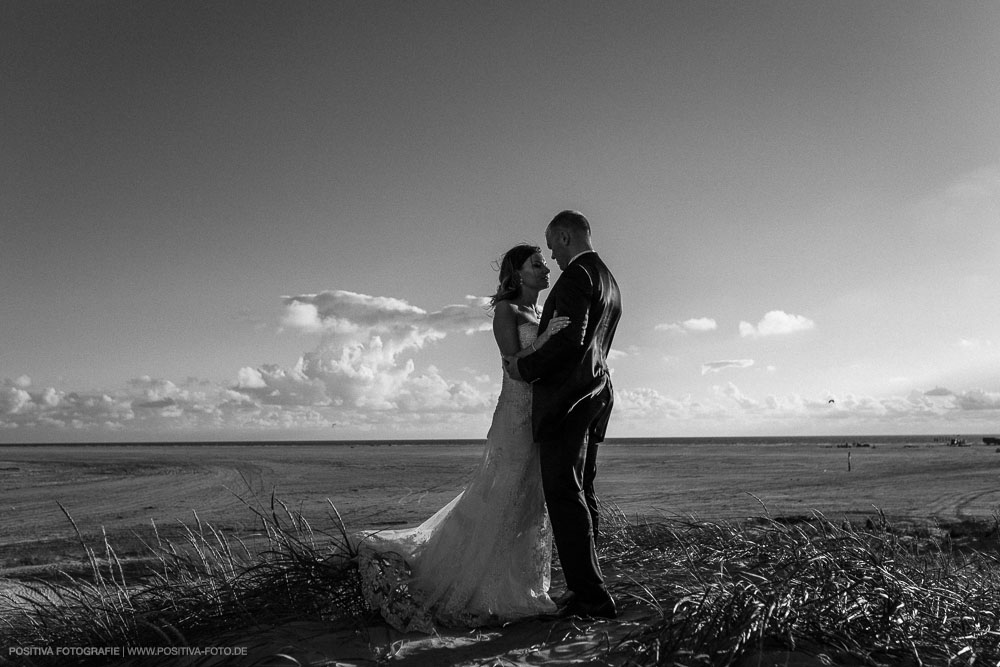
{"type": "Point", "coordinates": [191, 591]}
{"type": "Point", "coordinates": [704, 593]}
{"type": "Point", "coordinates": [868, 595]}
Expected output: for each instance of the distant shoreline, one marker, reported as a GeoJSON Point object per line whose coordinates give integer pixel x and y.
{"type": "Point", "coordinates": [930, 438]}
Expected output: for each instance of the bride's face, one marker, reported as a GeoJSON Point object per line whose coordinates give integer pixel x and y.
{"type": "Point", "coordinates": [534, 272]}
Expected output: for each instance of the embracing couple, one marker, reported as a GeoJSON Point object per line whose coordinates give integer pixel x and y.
{"type": "Point", "coordinates": [484, 558]}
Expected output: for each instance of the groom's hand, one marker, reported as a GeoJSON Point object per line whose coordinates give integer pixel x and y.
{"type": "Point", "coordinates": [510, 363]}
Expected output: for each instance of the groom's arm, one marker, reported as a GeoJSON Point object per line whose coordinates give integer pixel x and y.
{"type": "Point", "coordinates": [572, 297]}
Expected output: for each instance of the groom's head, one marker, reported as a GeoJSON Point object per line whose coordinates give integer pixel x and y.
{"type": "Point", "coordinates": [567, 236]}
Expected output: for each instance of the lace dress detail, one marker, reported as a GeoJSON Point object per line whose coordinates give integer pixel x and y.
{"type": "Point", "coordinates": [484, 558]}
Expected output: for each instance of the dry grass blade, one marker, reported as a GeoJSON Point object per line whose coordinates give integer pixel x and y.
{"type": "Point", "coordinates": [865, 595]}
{"type": "Point", "coordinates": [712, 593]}
{"type": "Point", "coordinates": [194, 591]}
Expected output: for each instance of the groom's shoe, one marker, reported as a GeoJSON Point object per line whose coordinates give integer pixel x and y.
{"type": "Point", "coordinates": [604, 609]}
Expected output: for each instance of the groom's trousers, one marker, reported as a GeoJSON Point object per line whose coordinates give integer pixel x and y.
{"type": "Point", "coordinates": [569, 465]}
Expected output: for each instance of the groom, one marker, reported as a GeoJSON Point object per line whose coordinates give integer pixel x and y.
{"type": "Point", "coordinates": [572, 398]}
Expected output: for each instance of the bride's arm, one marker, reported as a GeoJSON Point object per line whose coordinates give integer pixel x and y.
{"type": "Point", "coordinates": [556, 324]}
{"type": "Point", "coordinates": [505, 329]}
{"type": "Point", "coordinates": [508, 340]}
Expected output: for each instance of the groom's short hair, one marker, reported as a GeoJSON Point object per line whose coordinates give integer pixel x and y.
{"type": "Point", "coordinates": [573, 222]}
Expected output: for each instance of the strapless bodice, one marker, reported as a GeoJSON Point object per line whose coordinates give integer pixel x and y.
{"type": "Point", "coordinates": [527, 332]}
{"type": "Point", "coordinates": [514, 390]}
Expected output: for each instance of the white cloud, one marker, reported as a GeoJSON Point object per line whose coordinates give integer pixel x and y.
{"type": "Point", "coordinates": [427, 403]}
{"type": "Point", "coordinates": [14, 400]}
{"type": "Point", "coordinates": [644, 403]}
{"type": "Point", "coordinates": [359, 360]}
{"type": "Point", "coordinates": [361, 374]}
{"type": "Point", "coordinates": [775, 323]}
{"type": "Point", "coordinates": [152, 389]}
{"type": "Point", "coordinates": [250, 379]}
{"type": "Point", "coordinates": [357, 375]}
{"type": "Point", "coordinates": [977, 399]}
{"type": "Point", "coordinates": [732, 392]}
{"type": "Point", "coordinates": [146, 407]}
{"type": "Point", "coordinates": [629, 351]}
{"type": "Point", "coordinates": [727, 408]}
{"type": "Point", "coordinates": [49, 397]}
{"type": "Point", "coordinates": [717, 366]}
{"type": "Point", "coordinates": [359, 316]}
{"type": "Point", "coordinates": [304, 317]}
{"type": "Point", "coordinates": [430, 392]}
{"type": "Point", "coordinates": [693, 324]}
{"type": "Point", "coordinates": [975, 343]}
{"type": "Point", "coordinates": [699, 324]}
{"type": "Point", "coordinates": [272, 385]}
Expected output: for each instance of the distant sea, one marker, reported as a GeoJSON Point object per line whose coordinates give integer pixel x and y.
{"type": "Point", "coordinates": [971, 439]}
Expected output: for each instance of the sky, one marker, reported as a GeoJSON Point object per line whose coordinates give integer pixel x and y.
{"type": "Point", "coordinates": [280, 220]}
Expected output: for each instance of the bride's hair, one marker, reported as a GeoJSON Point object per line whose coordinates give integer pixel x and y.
{"type": "Point", "coordinates": [509, 286]}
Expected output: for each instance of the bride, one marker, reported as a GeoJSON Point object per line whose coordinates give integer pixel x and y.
{"type": "Point", "coordinates": [483, 558]}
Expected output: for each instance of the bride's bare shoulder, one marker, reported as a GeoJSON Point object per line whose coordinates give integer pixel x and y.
{"type": "Point", "coordinates": [504, 314]}
{"type": "Point", "coordinates": [505, 303]}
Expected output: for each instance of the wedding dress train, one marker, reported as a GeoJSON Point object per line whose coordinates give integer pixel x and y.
{"type": "Point", "coordinates": [484, 558]}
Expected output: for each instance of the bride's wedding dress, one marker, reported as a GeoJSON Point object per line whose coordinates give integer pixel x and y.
{"type": "Point", "coordinates": [483, 558]}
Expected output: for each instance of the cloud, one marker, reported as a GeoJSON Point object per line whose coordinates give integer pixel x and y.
{"type": "Point", "coordinates": [352, 315]}
{"type": "Point", "coordinates": [249, 379]}
{"type": "Point", "coordinates": [150, 408]}
{"type": "Point", "coordinates": [699, 324]}
{"type": "Point", "coordinates": [693, 324]}
{"type": "Point", "coordinates": [14, 400]}
{"type": "Point", "coordinates": [362, 374]}
{"type": "Point", "coordinates": [429, 403]}
{"type": "Point", "coordinates": [727, 407]}
{"type": "Point", "coordinates": [359, 360]}
{"type": "Point", "coordinates": [732, 392]}
{"type": "Point", "coordinates": [629, 351]}
{"type": "Point", "coordinates": [153, 390]}
{"type": "Point", "coordinates": [50, 407]}
{"type": "Point", "coordinates": [359, 373]}
{"type": "Point", "coordinates": [776, 323]}
{"type": "Point", "coordinates": [975, 343]}
{"type": "Point", "coordinates": [645, 403]}
{"type": "Point", "coordinates": [977, 399]}
{"type": "Point", "coordinates": [717, 366]}
{"type": "Point", "coordinates": [161, 403]}
{"type": "Point", "coordinates": [273, 385]}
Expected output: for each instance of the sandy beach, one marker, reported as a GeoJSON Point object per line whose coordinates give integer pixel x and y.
{"type": "Point", "coordinates": [124, 489]}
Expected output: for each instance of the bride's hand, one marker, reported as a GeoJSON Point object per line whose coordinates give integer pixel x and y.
{"type": "Point", "coordinates": [556, 324]}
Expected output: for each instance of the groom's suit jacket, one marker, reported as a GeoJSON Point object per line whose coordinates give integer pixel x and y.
{"type": "Point", "coordinates": [570, 372]}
